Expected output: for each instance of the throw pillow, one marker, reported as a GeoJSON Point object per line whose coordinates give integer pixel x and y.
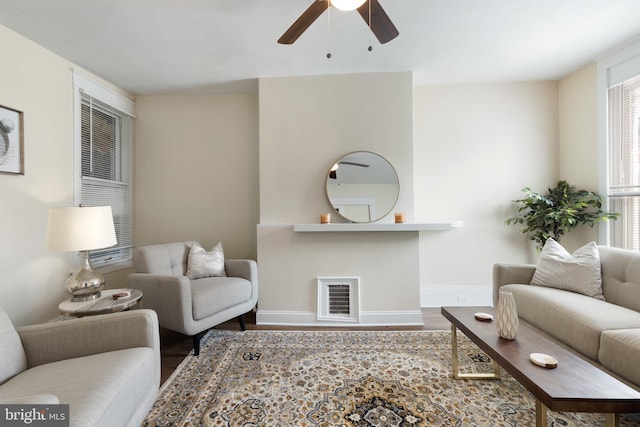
{"type": "Point", "coordinates": [578, 272]}
{"type": "Point", "coordinates": [201, 263]}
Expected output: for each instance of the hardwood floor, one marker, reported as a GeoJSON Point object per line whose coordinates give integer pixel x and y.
{"type": "Point", "coordinates": [174, 346]}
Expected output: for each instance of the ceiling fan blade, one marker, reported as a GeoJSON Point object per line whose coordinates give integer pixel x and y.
{"type": "Point", "coordinates": [381, 24]}
{"type": "Point", "coordinates": [304, 21]}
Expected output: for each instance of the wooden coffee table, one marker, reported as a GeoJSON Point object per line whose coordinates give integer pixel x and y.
{"type": "Point", "coordinates": [574, 386]}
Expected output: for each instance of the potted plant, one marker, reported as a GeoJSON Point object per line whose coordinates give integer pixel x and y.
{"type": "Point", "coordinates": [556, 213]}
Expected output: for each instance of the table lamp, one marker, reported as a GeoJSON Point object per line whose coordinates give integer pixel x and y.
{"type": "Point", "coordinates": [81, 229]}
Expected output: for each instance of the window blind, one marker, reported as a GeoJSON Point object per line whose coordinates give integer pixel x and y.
{"type": "Point", "coordinates": [106, 172]}
{"type": "Point", "coordinates": [624, 162]}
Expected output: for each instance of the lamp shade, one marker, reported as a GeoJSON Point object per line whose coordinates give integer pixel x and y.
{"type": "Point", "coordinates": [347, 5]}
{"type": "Point", "coordinates": [80, 229]}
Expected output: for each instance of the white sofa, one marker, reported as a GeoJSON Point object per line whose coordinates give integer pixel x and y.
{"type": "Point", "coordinates": [106, 367]}
{"type": "Point", "coordinates": [606, 331]}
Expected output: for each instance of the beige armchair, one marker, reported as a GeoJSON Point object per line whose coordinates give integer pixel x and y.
{"type": "Point", "coordinates": [106, 367]}
{"type": "Point", "coordinates": [191, 307]}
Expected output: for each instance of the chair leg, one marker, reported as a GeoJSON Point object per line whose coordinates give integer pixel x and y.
{"type": "Point", "coordinates": [196, 343]}
{"type": "Point", "coordinates": [243, 326]}
{"type": "Point", "coordinates": [197, 337]}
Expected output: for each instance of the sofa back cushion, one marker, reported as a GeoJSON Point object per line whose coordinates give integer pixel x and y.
{"type": "Point", "coordinates": [621, 276]}
{"type": "Point", "coordinates": [168, 259]}
{"type": "Point", "coordinates": [12, 357]}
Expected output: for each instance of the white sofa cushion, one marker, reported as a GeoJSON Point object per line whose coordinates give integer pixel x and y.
{"type": "Point", "coordinates": [620, 351]}
{"type": "Point", "coordinates": [573, 318]}
{"type": "Point", "coordinates": [105, 389]}
{"type": "Point", "coordinates": [32, 399]}
{"type": "Point", "coordinates": [621, 276]}
{"type": "Point", "coordinates": [12, 357]}
{"type": "Point", "coordinates": [211, 295]}
{"type": "Point", "coordinates": [578, 272]}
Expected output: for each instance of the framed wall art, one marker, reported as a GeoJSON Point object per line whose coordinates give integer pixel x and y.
{"type": "Point", "coordinates": [11, 141]}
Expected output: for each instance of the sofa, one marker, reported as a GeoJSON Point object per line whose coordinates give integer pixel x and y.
{"type": "Point", "coordinates": [605, 329]}
{"type": "Point", "coordinates": [193, 303]}
{"type": "Point", "coordinates": [105, 367]}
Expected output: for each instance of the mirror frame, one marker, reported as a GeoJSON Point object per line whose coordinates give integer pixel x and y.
{"type": "Point", "coordinates": [377, 216]}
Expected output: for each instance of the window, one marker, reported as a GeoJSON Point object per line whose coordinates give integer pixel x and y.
{"type": "Point", "coordinates": [624, 162]}
{"type": "Point", "coordinates": [104, 160]}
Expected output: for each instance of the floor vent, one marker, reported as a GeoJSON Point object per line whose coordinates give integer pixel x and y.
{"type": "Point", "coordinates": [338, 299]}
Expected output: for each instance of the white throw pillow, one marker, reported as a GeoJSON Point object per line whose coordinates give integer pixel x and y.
{"type": "Point", "coordinates": [205, 264]}
{"type": "Point", "coordinates": [578, 272]}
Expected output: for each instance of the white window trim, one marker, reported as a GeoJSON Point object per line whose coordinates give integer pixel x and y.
{"type": "Point", "coordinates": [85, 84]}
{"type": "Point", "coordinates": [613, 67]}
{"type": "Point", "coordinates": [101, 92]}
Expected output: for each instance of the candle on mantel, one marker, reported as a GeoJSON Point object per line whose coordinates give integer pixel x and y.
{"type": "Point", "coordinates": [399, 217]}
{"type": "Point", "coordinates": [325, 218]}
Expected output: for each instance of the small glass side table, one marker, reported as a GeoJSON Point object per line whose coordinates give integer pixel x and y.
{"type": "Point", "coordinates": [107, 303]}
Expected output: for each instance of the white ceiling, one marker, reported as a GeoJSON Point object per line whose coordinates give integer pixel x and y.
{"type": "Point", "coordinates": [188, 46]}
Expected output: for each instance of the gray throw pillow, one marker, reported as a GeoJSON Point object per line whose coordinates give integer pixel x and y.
{"type": "Point", "coordinates": [578, 272]}
{"type": "Point", "coordinates": [201, 263]}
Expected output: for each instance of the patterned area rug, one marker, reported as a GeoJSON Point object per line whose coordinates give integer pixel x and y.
{"type": "Point", "coordinates": [282, 378]}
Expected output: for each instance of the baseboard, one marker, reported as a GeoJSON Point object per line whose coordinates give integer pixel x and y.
{"type": "Point", "coordinates": [383, 318]}
{"type": "Point", "coordinates": [430, 296]}
{"type": "Point", "coordinates": [438, 296]}
{"type": "Point", "coordinates": [367, 318]}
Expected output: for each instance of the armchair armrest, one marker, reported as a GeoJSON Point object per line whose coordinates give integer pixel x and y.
{"type": "Point", "coordinates": [246, 269]}
{"type": "Point", "coordinates": [51, 342]}
{"type": "Point", "coordinates": [504, 274]}
{"type": "Point", "coordinates": [168, 296]}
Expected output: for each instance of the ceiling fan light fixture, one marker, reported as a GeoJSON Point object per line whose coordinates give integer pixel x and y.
{"type": "Point", "coordinates": [347, 5]}
{"type": "Point", "coordinates": [371, 11]}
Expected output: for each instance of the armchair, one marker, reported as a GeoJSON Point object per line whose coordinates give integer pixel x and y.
{"type": "Point", "coordinates": [192, 306]}
{"type": "Point", "coordinates": [106, 367]}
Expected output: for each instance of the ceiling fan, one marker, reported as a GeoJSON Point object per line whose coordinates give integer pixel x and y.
{"type": "Point", "coordinates": [370, 10]}
{"type": "Point", "coordinates": [333, 173]}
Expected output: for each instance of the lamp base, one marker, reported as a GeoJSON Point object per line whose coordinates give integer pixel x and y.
{"type": "Point", "coordinates": [85, 283]}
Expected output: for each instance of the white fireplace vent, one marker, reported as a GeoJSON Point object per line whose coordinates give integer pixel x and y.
{"type": "Point", "coordinates": [339, 299]}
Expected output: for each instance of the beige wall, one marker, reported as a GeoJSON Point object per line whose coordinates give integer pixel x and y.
{"type": "Point", "coordinates": [578, 117]}
{"type": "Point", "coordinates": [196, 171]}
{"type": "Point", "coordinates": [579, 149]}
{"type": "Point", "coordinates": [467, 149]}
{"type": "Point", "coordinates": [475, 147]}
{"type": "Point", "coordinates": [39, 83]}
{"type": "Point", "coordinates": [306, 124]}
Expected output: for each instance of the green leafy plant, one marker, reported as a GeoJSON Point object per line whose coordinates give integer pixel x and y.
{"type": "Point", "coordinates": [556, 213]}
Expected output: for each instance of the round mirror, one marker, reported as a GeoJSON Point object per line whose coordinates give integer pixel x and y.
{"type": "Point", "coordinates": [362, 186]}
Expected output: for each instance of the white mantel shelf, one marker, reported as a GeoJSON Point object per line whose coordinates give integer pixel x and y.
{"type": "Point", "coordinates": [349, 227]}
